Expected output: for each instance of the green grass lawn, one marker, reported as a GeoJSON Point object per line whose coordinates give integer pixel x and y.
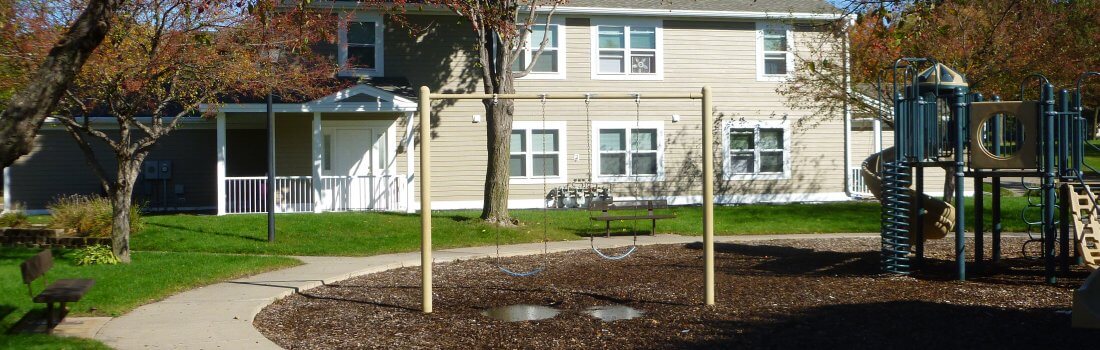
{"type": "Point", "coordinates": [119, 288]}
{"type": "Point", "coordinates": [360, 234]}
{"type": "Point", "coordinates": [1092, 156]}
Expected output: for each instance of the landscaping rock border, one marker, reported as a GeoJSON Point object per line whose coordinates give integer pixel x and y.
{"type": "Point", "coordinates": [33, 237]}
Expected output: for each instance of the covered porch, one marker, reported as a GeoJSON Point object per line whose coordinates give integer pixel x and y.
{"type": "Point", "coordinates": [337, 153]}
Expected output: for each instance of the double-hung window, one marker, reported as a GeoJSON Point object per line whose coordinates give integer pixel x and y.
{"type": "Point", "coordinates": [551, 63]}
{"type": "Point", "coordinates": [773, 51]}
{"type": "Point", "coordinates": [360, 49]}
{"type": "Point", "coordinates": [757, 150]}
{"type": "Point", "coordinates": [625, 50]}
{"type": "Point", "coordinates": [628, 150]}
{"type": "Point", "coordinates": [537, 152]}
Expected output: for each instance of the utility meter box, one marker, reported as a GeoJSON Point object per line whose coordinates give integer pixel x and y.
{"type": "Point", "coordinates": [165, 169]}
{"type": "Point", "coordinates": [150, 170]}
{"type": "Point", "coordinates": [157, 170]}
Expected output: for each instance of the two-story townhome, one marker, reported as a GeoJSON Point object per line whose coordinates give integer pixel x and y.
{"type": "Point", "coordinates": [356, 148]}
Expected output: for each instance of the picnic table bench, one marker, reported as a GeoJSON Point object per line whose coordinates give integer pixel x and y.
{"type": "Point", "coordinates": [627, 210]}
{"type": "Point", "coordinates": [62, 291]}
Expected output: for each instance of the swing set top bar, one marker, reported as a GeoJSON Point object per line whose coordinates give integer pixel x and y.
{"type": "Point", "coordinates": [571, 96]}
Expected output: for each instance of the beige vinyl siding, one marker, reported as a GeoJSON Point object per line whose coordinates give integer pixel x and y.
{"type": "Point", "coordinates": [721, 54]}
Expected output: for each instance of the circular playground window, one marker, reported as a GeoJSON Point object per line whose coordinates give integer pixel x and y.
{"type": "Point", "coordinates": [1002, 135]}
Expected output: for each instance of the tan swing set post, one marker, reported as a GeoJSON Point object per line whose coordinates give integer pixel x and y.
{"type": "Point", "coordinates": [425, 102]}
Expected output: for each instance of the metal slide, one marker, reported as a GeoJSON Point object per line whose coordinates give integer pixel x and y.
{"type": "Point", "coordinates": [939, 218]}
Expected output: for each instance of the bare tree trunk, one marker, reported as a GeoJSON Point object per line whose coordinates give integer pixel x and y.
{"type": "Point", "coordinates": [30, 106]}
{"type": "Point", "coordinates": [121, 202]}
{"type": "Point", "coordinates": [498, 134]}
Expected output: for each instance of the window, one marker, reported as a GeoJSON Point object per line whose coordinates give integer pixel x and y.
{"type": "Point", "coordinates": [757, 150]}
{"type": "Point", "coordinates": [624, 50]}
{"type": "Point", "coordinates": [551, 63]}
{"type": "Point", "coordinates": [773, 52]}
{"type": "Point", "coordinates": [537, 152]}
{"type": "Point", "coordinates": [361, 45]}
{"type": "Point", "coordinates": [628, 150]}
{"type": "Point", "coordinates": [327, 153]}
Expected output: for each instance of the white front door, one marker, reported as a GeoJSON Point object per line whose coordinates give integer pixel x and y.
{"type": "Point", "coordinates": [357, 174]}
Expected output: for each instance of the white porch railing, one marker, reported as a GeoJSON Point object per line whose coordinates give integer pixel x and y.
{"type": "Point", "coordinates": [856, 183]}
{"type": "Point", "coordinates": [369, 192]}
{"type": "Point", "coordinates": [294, 194]}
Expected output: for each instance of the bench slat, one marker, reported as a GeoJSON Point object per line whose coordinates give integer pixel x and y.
{"type": "Point", "coordinates": [36, 266]}
{"type": "Point", "coordinates": [67, 290]}
{"type": "Point", "coordinates": [628, 205]}
{"type": "Point", "coordinates": [633, 217]}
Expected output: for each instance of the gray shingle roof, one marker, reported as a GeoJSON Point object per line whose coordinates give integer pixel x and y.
{"type": "Point", "coordinates": [803, 6]}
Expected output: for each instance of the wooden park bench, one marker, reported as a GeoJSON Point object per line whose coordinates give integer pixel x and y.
{"type": "Point", "coordinates": [629, 210]}
{"type": "Point", "coordinates": [61, 291]}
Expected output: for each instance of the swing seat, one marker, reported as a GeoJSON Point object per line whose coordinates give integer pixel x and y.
{"type": "Point", "coordinates": [609, 211]}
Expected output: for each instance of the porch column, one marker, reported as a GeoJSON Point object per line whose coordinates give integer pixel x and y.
{"type": "Point", "coordinates": [318, 159]}
{"type": "Point", "coordinates": [221, 164]}
{"type": "Point", "coordinates": [7, 189]}
{"type": "Point", "coordinates": [410, 166]}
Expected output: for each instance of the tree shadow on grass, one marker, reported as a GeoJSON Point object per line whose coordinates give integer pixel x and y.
{"type": "Point", "coordinates": [898, 325]}
{"type": "Point", "coordinates": [204, 231]}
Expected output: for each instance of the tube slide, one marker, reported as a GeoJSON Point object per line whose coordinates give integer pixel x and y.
{"type": "Point", "coordinates": [939, 218]}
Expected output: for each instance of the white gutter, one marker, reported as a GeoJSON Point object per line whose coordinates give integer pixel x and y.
{"type": "Point", "coordinates": [610, 11]}
{"type": "Point", "coordinates": [311, 107]}
{"type": "Point", "coordinates": [848, 111]}
{"type": "Point", "coordinates": [694, 13]}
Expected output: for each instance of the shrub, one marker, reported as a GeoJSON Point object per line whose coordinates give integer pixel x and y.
{"type": "Point", "coordinates": [95, 255]}
{"type": "Point", "coordinates": [15, 217]}
{"type": "Point", "coordinates": [89, 216]}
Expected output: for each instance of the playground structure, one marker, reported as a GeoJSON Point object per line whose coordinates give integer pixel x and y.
{"type": "Point", "coordinates": [939, 122]}
{"type": "Point", "coordinates": [424, 110]}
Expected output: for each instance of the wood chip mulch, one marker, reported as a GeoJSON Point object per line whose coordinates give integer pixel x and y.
{"type": "Point", "coordinates": [816, 293]}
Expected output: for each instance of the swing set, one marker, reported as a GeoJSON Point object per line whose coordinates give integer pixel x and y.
{"type": "Point", "coordinates": [424, 106]}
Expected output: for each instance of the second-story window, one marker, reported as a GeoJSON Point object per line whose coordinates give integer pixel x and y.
{"type": "Point", "coordinates": [627, 51]}
{"type": "Point", "coordinates": [361, 45]}
{"type": "Point", "coordinates": [551, 63]}
{"type": "Point", "coordinates": [774, 58]}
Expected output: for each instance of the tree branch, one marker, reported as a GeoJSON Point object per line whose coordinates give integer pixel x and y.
{"type": "Point", "coordinates": [89, 157]}
{"type": "Point", "coordinates": [29, 107]}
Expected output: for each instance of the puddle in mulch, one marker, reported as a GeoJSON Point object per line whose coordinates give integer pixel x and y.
{"type": "Point", "coordinates": [608, 313]}
{"type": "Point", "coordinates": [520, 313]}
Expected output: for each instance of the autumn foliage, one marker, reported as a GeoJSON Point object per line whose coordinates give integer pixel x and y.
{"type": "Point", "coordinates": [995, 43]}
{"type": "Point", "coordinates": [160, 63]}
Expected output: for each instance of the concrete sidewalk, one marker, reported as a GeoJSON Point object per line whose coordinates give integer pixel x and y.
{"type": "Point", "coordinates": [220, 316]}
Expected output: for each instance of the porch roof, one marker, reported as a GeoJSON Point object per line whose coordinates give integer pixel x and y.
{"type": "Point", "coordinates": [379, 95]}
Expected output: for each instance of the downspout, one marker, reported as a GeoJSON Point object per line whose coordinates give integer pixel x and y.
{"type": "Point", "coordinates": [848, 190]}
{"type": "Point", "coordinates": [410, 162]}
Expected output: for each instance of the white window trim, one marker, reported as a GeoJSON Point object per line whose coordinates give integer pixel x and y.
{"type": "Point", "coordinates": [594, 35]}
{"type": "Point", "coordinates": [528, 52]}
{"type": "Point", "coordinates": [379, 45]}
{"type": "Point", "coordinates": [595, 147]}
{"type": "Point", "coordinates": [563, 167]}
{"type": "Point", "coordinates": [760, 75]}
{"type": "Point", "coordinates": [727, 164]}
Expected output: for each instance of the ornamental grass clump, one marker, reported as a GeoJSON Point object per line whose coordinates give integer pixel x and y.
{"type": "Point", "coordinates": [14, 217]}
{"type": "Point", "coordinates": [88, 216]}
